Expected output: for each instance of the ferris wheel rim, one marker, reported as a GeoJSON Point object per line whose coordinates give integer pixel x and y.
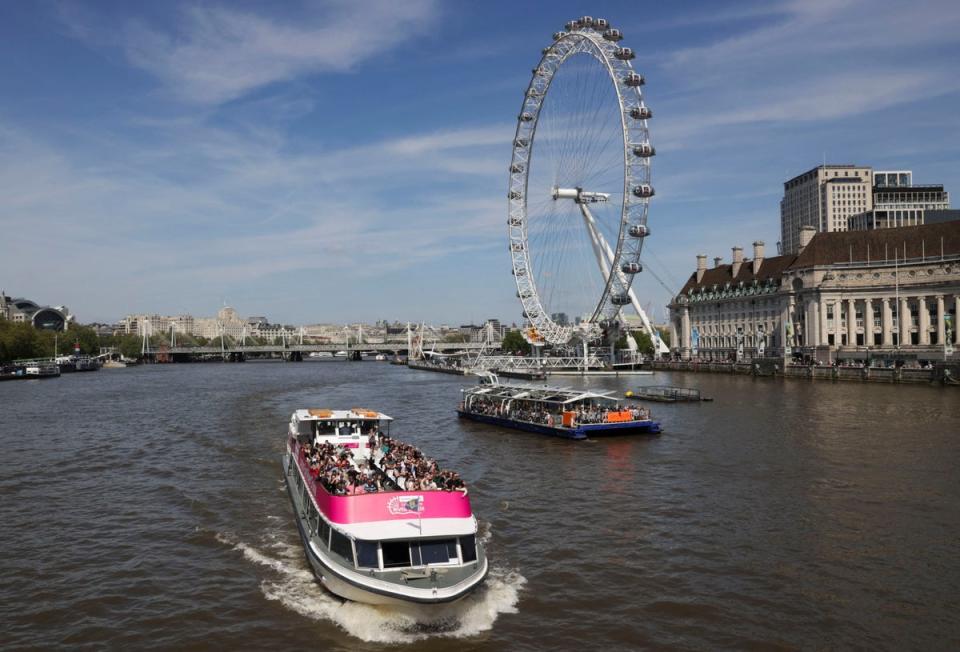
{"type": "Point", "coordinates": [634, 207]}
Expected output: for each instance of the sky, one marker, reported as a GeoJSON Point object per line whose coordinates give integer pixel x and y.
{"type": "Point", "coordinates": [335, 161]}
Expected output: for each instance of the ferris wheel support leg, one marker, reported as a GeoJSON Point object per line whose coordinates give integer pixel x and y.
{"type": "Point", "coordinates": [605, 260]}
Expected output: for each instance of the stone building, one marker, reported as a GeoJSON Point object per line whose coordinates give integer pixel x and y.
{"type": "Point", "coordinates": [889, 294]}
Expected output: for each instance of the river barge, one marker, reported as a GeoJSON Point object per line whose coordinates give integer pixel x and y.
{"type": "Point", "coordinates": [366, 538]}
{"type": "Point", "coordinates": [556, 411]}
{"type": "Point", "coordinates": [667, 394]}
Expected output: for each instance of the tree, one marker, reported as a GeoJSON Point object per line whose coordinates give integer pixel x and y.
{"type": "Point", "coordinates": [130, 346]}
{"type": "Point", "coordinates": [18, 340]}
{"type": "Point", "coordinates": [85, 336]}
{"type": "Point", "coordinates": [456, 338]}
{"type": "Point", "coordinates": [513, 342]}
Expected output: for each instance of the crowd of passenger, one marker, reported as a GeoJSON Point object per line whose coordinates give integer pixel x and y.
{"type": "Point", "coordinates": [409, 469]}
{"type": "Point", "coordinates": [391, 466]}
{"type": "Point", "coordinates": [536, 413]}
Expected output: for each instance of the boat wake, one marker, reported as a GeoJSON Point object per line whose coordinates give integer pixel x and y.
{"type": "Point", "coordinates": [294, 586]}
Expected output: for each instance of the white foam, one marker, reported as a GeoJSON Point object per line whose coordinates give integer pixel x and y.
{"type": "Point", "coordinates": [296, 588]}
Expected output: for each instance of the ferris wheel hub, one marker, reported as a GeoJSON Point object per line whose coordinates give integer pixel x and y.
{"type": "Point", "coordinates": [580, 196]}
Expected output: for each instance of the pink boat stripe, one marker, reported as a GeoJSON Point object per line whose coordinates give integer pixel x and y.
{"type": "Point", "coordinates": [384, 506]}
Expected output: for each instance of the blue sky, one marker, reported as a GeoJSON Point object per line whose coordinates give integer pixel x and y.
{"type": "Point", "coordinates": [339, 161]}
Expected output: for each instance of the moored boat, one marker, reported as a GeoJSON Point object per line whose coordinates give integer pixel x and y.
{"type": "Point", "coordinates": [561, 412]}
{"type": "Point", "coordinates": [380, 522]}
{"type": "Point", "coordinates": [40, 369]}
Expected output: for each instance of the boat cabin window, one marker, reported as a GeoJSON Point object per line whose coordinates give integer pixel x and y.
{"type": "Point", "coordinates": [443, 551]}
{"type": "Point", "coordinates": [326, 428]}
{"type": "Point", "coordinates": [395, 553]}
{"type": "Point", "coordinates": [304, 430]}
{"type": "Point", "coordinates": [468, 548]}
{"type": "Point", "coordinates": [340, 544]}
{"type": "Point", "coordinates": [324, 533]}
{"type": "Point", "coordinates": [367, 554]}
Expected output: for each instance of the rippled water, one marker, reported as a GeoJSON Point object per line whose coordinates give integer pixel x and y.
{"type": "Point", "coordinates": [145, 508]}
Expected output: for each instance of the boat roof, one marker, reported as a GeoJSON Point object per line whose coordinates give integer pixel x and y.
{"type": "Point", "coordinates": [540, 393]}
{"type": "Point", "coordinates": [353, 414]}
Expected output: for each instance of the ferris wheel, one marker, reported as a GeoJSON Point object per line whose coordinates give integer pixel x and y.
{"type": "Point", "coordinates": [580, 186]}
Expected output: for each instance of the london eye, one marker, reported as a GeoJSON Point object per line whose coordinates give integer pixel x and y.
{"type": "Point", "coordinates": [580, 186]}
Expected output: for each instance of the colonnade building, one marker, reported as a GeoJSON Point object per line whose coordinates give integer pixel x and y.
{"type": "Point", "coordinates": [884, 295]}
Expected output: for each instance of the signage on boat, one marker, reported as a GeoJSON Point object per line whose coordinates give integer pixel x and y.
{"type": "Point", "coordinates": [405, 505]}
{"type": "Point", "coordinates": [388, 506]}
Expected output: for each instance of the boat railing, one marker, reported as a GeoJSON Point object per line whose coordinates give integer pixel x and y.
{"type": "Point", "coordinates": [562, 418]}
{"type": "Point", "coordinates": [382, 505]}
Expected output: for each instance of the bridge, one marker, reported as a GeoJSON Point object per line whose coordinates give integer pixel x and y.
{"type": "Point", "coordinates": [297, 351]}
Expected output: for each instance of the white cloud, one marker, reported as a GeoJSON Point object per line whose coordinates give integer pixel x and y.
{"type": "Point", "coordinates": [211, 208]}
{"type": "Point", "coordinates": [819, 61]}
{"type": "Point", "coordinates": [215, 54]}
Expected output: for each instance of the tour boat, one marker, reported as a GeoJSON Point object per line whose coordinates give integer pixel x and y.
{"type": "Point", "coordinates": [570, 413]}
{"type": "Point", "coordinates": [384, 547]}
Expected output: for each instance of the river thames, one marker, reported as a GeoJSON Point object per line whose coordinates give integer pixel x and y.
{"type": "Point", "coordinates": [145, 508]}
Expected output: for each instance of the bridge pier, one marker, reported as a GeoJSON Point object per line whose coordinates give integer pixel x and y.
{"type": "Point", "coordinates": [355, 356]}
{"type": "Point", "coordinates": [294, 356]}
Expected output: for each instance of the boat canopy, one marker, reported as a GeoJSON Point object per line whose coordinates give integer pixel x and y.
{"type": "Point", "coordinates": [353, 414]}
{"type": "Point", "coordinates": [540, 394]}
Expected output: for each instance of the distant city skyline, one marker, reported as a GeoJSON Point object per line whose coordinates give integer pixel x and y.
{"type": "Point", "coordinates": [312, 164]}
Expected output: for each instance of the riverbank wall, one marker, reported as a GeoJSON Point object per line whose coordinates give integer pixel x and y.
{"type": "Point", "coordinates": [940, 374]}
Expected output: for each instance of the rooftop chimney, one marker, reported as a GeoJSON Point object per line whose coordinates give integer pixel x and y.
{"type": "Point", "coordinates": [757, 256]}
{"type": "Point", "coordinates": [701, 266]}
{"type": "Point", "coordinates": [806, 235]}
{"type": "Point", "coordinates": [716, 261]}
{"type": "Point", "coordinates": [737, 261]}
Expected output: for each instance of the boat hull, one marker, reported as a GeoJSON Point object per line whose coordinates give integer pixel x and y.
{"type": "Point", "coordinates": [338, 580]}
{"type": "Point", "coordinates": [580, 432]}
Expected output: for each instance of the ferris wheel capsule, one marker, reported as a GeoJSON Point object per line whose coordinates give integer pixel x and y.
{"type": "Point", "coordinates": [558, 35]}
{"type": "Point", "coordinates": [639, 231]}
{"type": "Point", "coordinates": [613, 35]}
{"type": "Point", "coordinates": [624, 54]}
{"type": "Point", "coordinates": [644, 190]}
{"type": "Point", "coordinates": [631, 268]}
{"type": "Point", "coordinates": [641, 113]}
{"type": "Point", "coordinates": [634, 79]}
{"type": "Point", "coordinates": [600, 24]}
{"type": "Point", "coordinates": [620, 299]}
{"type": "Point", "coordinates": [644, 150]}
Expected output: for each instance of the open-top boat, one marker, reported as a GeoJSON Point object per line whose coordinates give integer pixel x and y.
{"type": "Point", "coordinates": [379, 521]}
